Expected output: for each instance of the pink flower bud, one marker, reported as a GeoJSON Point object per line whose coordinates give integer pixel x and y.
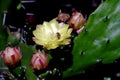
{"type": "Point", "coordinates": [39, 61]}
{"type": "Point", "coordinates": [76, 21]}
{"type": "Point", "coordinates": [63, 17]}
{"type": "Point", "coordinates": [11, 56]}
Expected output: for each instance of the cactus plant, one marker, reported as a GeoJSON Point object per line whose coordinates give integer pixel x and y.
{"type": "Point", "coordinates": [99, 41]}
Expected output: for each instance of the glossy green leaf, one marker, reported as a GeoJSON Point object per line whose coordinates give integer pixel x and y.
{"type": "Point", "coordinates": [100, 39]}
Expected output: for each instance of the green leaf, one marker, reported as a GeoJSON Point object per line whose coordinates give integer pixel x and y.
{"type": "Point", "coordinates": [4, 4]}
{"type": "Point", "coordinates": [27, 51]}
{"type": "Point", "coordinates": [100, 39]}
{"type": "Point", "coordinates": [3, 39]}
{"type": "Point", "coordinates": [19, 6]}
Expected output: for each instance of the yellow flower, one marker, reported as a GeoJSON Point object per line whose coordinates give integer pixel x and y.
{"type": "Point", "coordinates": [52, 34]}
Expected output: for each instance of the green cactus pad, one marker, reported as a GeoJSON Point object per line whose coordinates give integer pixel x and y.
{"type": "Point", "coordinates": [100, 39]}
{"type": "Point", "coordinates": [27, 54]}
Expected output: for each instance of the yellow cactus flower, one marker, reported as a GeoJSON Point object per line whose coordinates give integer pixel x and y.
{"type": "Point", "coordinates": [52, 34]}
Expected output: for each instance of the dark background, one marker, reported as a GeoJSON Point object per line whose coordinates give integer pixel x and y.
{"type": "Point", "coordinates": [49, 9]}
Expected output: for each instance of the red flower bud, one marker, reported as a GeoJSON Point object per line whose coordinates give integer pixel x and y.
{"type": "Point", "coordinates": [63, 17]}
{"type": "Point", "coordinates": [39, 61]}
{"type": "Point", "coordinates": [76, 21]}
{"type": "Point", "coordinates": [11, 56]}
